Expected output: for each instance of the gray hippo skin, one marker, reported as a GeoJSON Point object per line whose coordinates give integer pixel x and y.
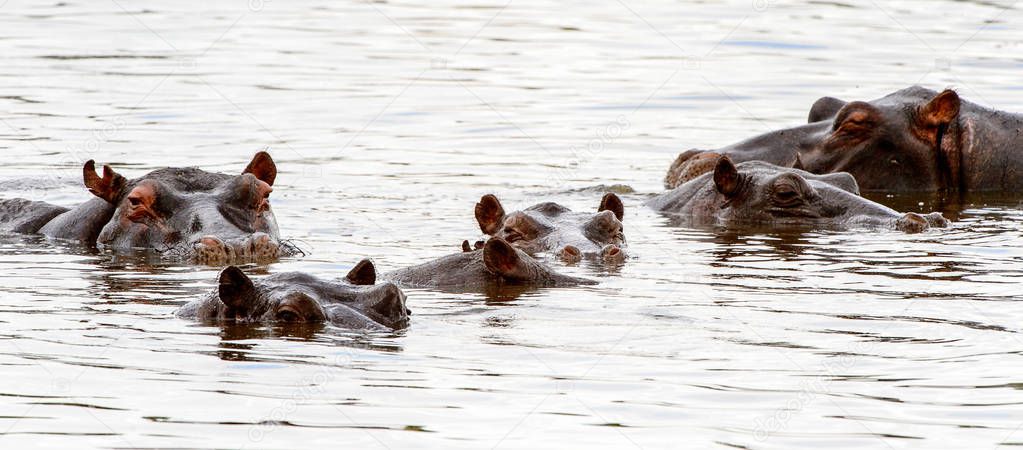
{"type": "Point", "coordinates": [210, 218]}
{"type": "Point", "coordinates": [293, 297]}
{"type": "Point", "coordinates": [758, 194]}
{"type": "Point", "coordinates": [496, 263]}
{"type": "Point", "coordinates": [913, 140]}
{"type": "Point", "coordinates": [551, 227]}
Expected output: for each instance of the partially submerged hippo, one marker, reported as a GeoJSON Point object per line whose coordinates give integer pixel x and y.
{"type": "Point", "coordinates": [913, 140]}
{"type": "Point", "coordinates": [759, 194]}
{"type": "Point", "coordinates": [294, 297]}
{"type": "Point", "coordinates": [551, 227]}
{"type": "Point", "coordinates": [211, 218]}
{"type": "Point", "coordinates": [496, 263]}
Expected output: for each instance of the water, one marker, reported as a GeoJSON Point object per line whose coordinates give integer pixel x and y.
{"type": "Point", "coordinates": [390, 119]}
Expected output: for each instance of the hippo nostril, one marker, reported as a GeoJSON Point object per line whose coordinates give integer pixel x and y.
{"type": "Point", "coordinates": [287, 314]}
{"type": "Point", "coordinates": [612, 252]}
{"type": "Point", "coordinates": [912, 223]}
{"type": "Point", "coordinates": [210, 242]}
{"type": "Point", "coordinates": [259, 239]}
{"type": "Point", "coordinates": [936, 220]}
{"type": "Point", "coordinates": [570, 253]}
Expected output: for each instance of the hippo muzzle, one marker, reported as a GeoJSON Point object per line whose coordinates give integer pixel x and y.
{"type": "Point", "coordinates": [214, 251]}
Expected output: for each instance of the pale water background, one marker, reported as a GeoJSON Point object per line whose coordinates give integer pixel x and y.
{"type": "Point", "coordinates": [388, 120]}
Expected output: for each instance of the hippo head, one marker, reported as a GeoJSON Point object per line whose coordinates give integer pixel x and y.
{"type": "Point", "coordinates": [907, 141]}
{"type": "Point", "coordinates": [901, 142]}
{"type": "Point", "coordinates": [211, 218]}
{"type": "Point", "coordinates": [757, 193]}
{"type": "Point", "coordinates": [493, 263]}
{"type": "Point", "coordinates": [295, 297]}
{"type": "Point", "coordinates": [552, 227]}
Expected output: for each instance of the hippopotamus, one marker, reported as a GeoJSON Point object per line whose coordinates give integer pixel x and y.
{"type": "Point", "coordinates": [211, 218]}
{"type": "Point", "coordinates": [756, 193]}
{"type": "Point", "coordinates": [496, 263]}
{"type": "Point", "coordinates": [913, 140]}
{"type": "Point", "coordinates": [550, 227]}
{"type": "Point", "coordinates": [355, 302]}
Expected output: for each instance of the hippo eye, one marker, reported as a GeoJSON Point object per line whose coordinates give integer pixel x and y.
{"type": "Point", "coordinates": [134, 201]}
{"type": "Point", "coordinates": [512, 236]}
{"type": "Point", "coordinates": [787, 197]}
{"type": "Point", "coordinates": [287, 316]}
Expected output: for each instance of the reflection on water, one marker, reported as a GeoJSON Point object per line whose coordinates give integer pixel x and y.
{"type": "Point", "coordinates": [389, 121]}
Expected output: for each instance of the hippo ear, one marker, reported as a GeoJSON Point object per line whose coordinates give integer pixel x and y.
{"type": "Point", "coordinates": [825, 108]}
{"type": "Point", "coordinates": [363, 274]}
{"type": "Point", "coordinates": [502, 259]}
{"type": "Point", "coordinates": [612, 203]}
{"type": "Point", "coordinates": [941, 110]}
{"type": "Point", "coordinates": [391, 301]}
{"type": "Point", "coordinates": [263, 167]}
{"type": "Point", "coordinates": [299, 307]}
{"type": "Point", "coordinates": [465, 246]}
{"type": "Point", "coordinates": [726, 177]}
{"type": "Point", "coordinates": [857, 118]}
{"type": "Point", "coordinates": [236, 290]}
{"type": "Point", "coordinates": [106, 187]}
{"type": "Point", "coordinates": [489, 214]}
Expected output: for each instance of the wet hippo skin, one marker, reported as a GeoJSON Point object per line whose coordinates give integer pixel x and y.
{"type": "Point", "coordinates": [550, 227]}
{"type": "Point", "coordinates": [913, 140]}
{"type": "Point", "coordinates": [757, 194]}
{"type": "Point", "coordinates": [205, 217]}
{"type": "Point", "coordinates": [355, 302]}
{"type": "Point", "coordinates": [496, 263]}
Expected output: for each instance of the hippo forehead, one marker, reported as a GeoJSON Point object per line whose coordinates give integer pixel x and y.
{"type": "Point", "coordinates": [186, 179]}
{"type": "Point", "coordinates": [913, 93]}
{"type": "Point", "coordinates": [555, 215]}
{"type": "Point", "coordinates": [549, 209]}
{"type": "Point", "coordinates": [281, 284]}
{"type": "Point", "coordinates": [762, 171]}
{"type": "Point", "coordinates": [565, 221]}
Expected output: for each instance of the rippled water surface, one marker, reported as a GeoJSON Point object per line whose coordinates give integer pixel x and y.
{"type": "Point", "coordinates": [388, 120]}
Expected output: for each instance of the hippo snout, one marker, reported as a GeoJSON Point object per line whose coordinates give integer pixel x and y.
{"type": "Point", "coordinates": [256, 247]}
{"type": "Point", "coordinates": [917, 223]}
{"type": "Point", "coordinates": [612, 253]}
{"type": "Point", "coordinates": [912, 223]}
{"type": "Point", "coordinates": [936, 220]}
{"type": "Point", "coordinates": [690, 164]}
{"type": "Point", "coordinates": [570, 254]}
{"type": "Point", "coordinates": [212, 250]}
{"type": "Point", "coordinates": [260, 246]}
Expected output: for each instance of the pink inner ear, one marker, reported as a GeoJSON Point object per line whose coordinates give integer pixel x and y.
{"type": "Point", "coordinates": [106, 187]}
{"type": "Point", "coordinates": [942, 109]}
{"type": "Point", "coordinates": [144, 193]}
{"type": "Point", "coordinates": [140, 201]}
{"type": "Point", "coordinates": [263, 167]}
{"type": "Point", "coordinates": [489, 214]}
{"type": "Point", "coordinates": [263, 191]}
